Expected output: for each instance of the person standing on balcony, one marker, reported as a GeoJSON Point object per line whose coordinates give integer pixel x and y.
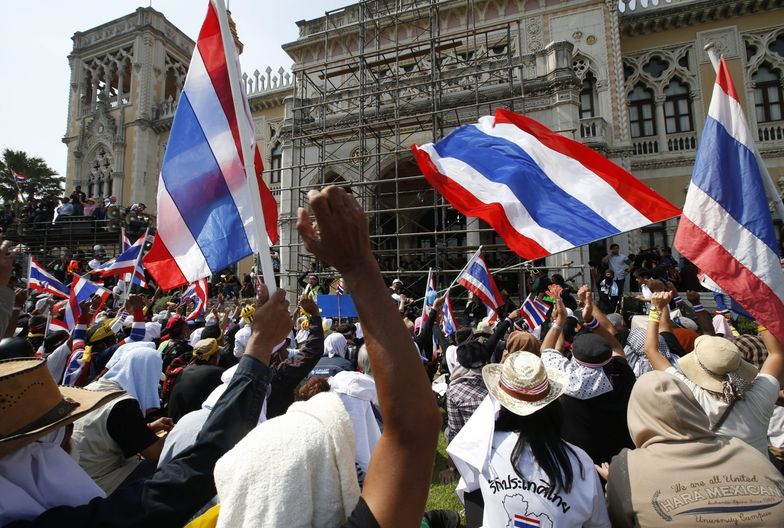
{"type": "Point", "coordinates": [78, 198]}
{"type": "Point", "coordinates": [616, 261]}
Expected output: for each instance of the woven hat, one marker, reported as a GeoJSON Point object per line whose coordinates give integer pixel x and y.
{"type": "Point", "coordinates": [716, 365]}
{"type": "Point", "coordinates": [32, 405]}
{"type": "Point", "coordinates": [522, 384]}
{"type": "Point", "coordinates": [204, 349]}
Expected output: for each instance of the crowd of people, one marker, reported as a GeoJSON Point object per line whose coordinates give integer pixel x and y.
{"type": "Point", "coordinates": [262, 414]}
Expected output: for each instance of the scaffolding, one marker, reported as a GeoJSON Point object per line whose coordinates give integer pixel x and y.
{"type": "Point", "coordinates": [392, 73]}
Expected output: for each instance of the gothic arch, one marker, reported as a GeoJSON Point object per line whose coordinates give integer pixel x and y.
{"type": "Point", "coordinates": [99, 170]}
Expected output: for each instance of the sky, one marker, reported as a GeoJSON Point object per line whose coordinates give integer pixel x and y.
{"type": "Point", "coordinates": [36, 40]}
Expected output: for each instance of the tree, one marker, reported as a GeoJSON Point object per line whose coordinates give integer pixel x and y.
{"type": "Point", "coordinates": [41, 181]}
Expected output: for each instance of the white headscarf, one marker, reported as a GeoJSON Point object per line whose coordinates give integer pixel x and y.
{"type": "Point", "coordinates": [138, 371]}
{"type": "Point", "coordinates": [152, 331]}
{"type": "Point", "coordinates": [335, 345]}
{"type": "Point", "coordinates": [41, 476]}
{"type": "Point", "coordinates": [358, 392]}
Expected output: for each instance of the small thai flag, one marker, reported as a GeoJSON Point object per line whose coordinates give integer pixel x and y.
{"type": "Point", "coordinates": [82, 290]}
{"type": "Point", "coordinates": [521, 521]}
{"type": "Point", "coordinates": [20, 179]}
{"type": "Point", "coordinates": [448, 322]}
{"type": "Point", "coordinates": [41, 280]}
{"type": "Point", "coordinates": [197, 292]}
{"type": "Point", "coordinates": [534, 312]}
{"type": "Point", "coordinates": [476, 278]}
{"type": "Point", "coordinates": [340, 289]}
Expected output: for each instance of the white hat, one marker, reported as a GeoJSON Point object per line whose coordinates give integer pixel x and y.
{"type": "Point", "coordinates": [397, 281]}
{"type": "Point", "coordinates": [522, 384]}
{"type": "Point", "coordinates": [210, 320]}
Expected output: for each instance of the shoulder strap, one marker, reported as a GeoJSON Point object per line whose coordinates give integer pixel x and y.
{"type": "Point", "coordinates": [723, 416]}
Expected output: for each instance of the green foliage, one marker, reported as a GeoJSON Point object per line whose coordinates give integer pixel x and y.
{"type": "Point", "coordinates": [631, 304]}
{"type": "Point", "coordinates": [41, 180]}
{"type": "Point", "coordinates": [160, 304]}
{"type": "Point", "coordinates": [442, 496]}
{"type": "Point", "coordinates": [744, 325]}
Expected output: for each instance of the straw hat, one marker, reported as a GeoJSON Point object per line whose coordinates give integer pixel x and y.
{"type": "Point", "coordinates": [716, 365]}
{"type": "Point", "coordinates": [522, 384]}
{"type": "Point", "coordinates": [32, 405]}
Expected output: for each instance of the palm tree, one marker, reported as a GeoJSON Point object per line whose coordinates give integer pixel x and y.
{"type": "Point", "coordinates": [41, 181]}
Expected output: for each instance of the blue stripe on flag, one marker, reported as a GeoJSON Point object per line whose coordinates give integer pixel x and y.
{"type": "Point", "coordinates": [727, 171]}
{"type": "Point", "coordinates": [501, 161]}
{"type": "Point", "coordinates": [196, 185]}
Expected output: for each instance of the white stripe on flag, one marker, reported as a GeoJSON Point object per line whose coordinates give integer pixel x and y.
{"type": "Point", "coordinates": [178, 239]}
{"type": "Point", "coordinates": [747, 249]}
{"type": "Point", "coordinates": [570, 175]}
{"type": "Point", "coordinates": [489, 192]}
{"type": "Point", "coordinates": [212, 118]}
{"type": "Point", "coordinates": [479, 284]}
{"type": "Point", "coordinates": [728, 112]}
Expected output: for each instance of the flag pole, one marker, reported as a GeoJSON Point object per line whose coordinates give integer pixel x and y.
{"type": "Point", "coordinates": [29, 270]}
{"type": "Point", "coordinates": [767, 181]}
{"type": "Point", "coordinates": [246, 139]}
{"type": "Point", "coordinates": [473, 257]}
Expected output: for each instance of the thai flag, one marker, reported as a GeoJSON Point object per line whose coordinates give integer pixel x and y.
{"type": "Point", "coordinates": [209, 212]}
{"type": "Point", "coordinates": [124, 241]}
{"type": "Point", "coordinates": [726, 229]}
{"type": "Point", "coordinates": [521, 521]}
{"type": "Point", "coordinates": [19, 178]}
{"type": "Point", "coordinates": [448, 322]}
{"type": "Point", "coordinates": [542, 192]}
{"type": "Point", "coordinates": [82, 290]}
{"type": "Point", "coordinates": [340, 288]}
{"type": "Point", "coordinates": [55, 325]}
{"type": "Point", "coordinates": [41, 280]}
{"type": "Point", "coordinates": [125, 262]}
{"type": "Point", "coordinates": [534, 312]}
{"type": "Point", "coordinates": [476, 278]}
{"type": "Point", "coordinates": [430, 297]}
{"type": "Point", "coordinates": [196, 292]}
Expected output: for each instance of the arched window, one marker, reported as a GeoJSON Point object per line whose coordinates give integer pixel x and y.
{"type": "Point", "coordinates": [767, 94]}
{"type": "Point", "coordinates": [677, 108]}
{"type": "Point", "coordinates": [641, 117]}
{"type": "Point", "coordinates": [588, 97]}
{"type": "Point", "coordinates": [276, 160]}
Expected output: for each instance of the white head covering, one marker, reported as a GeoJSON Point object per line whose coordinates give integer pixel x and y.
{"type": "Point", "coordinates": [152, 331]}
{"type": "Point", "coordinates": [359, 332]}
{"type": "Point", "coordinates": [335, 345]}
{"type": "Point", "coordinates": [138, 371]}
{"type": "Point", "coordinates": [218, 391]}
{"type": "Point", "coordinates": [721, 326]}
{"type": "Point", "coordinates": [357, 392]}
{"type": "Point", "coordinates": [41, 476]}
{"type": "Point", "coordinates": [210, 320]}
{"type": "Point", "coordinates": [263, 480]}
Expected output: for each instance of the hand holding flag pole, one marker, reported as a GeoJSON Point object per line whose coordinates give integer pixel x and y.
{"type": "Point", "coordinates": [473, 257]}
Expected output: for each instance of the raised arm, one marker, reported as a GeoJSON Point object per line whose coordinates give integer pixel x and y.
{"type": "Point", "coordinates": [554, 335]}
{"type": "Point", "coordinates": [398, 479]}
{"type": "Point", "coordinates": [659, 302]}
{"type": "Point", "coordinates": [602, 326]}
{"type": "Point", "coordinates": [774, 363]}
{"type": "Point", "coordinates": [700, 313]}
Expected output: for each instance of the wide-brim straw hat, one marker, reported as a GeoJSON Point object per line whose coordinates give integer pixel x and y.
{"type": "Point", "coordinates": [32, 404]}
{"type": "Point", "coordinates": [712, 360]}
{"type": "Point", "coordinates": [522, 384]}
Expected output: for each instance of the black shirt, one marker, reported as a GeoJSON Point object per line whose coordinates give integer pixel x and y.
{"type": "Point", "coordinates": [127, 426]}
{"type": "Point", "coordinates": [194, 384]}
{"type": "Point", "coordinates": [361, 517]}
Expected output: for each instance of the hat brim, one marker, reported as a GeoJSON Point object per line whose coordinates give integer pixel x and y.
{"type": "Point", "coordinates": [491, 374]}
{"type": "Point", "coordinates": [87, 401]}
{"type": "Point", "coordinates": [691, 369]}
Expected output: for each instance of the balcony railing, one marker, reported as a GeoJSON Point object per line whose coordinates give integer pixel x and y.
{"type": "Point", "coordinates": [594, 130]}
{"type": "Point", "coordinates": [772, 131]}
{"type": "Point", "coordinates": [645, 146]}
{"type": "Point", "coordinates": [685, 141]}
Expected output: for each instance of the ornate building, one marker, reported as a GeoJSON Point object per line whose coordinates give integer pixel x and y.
{"type": "Point", "coordinates": [631, 79]}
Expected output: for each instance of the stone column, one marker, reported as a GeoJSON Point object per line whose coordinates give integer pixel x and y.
{"type": "Point", "coordinates": [751, 111]}
{"type": "Point", "coordinates": [661, 126]}
{"type": "Point", "coordinates": [472, 234]}
{"type": "Point", "coordinates": [697, 113]}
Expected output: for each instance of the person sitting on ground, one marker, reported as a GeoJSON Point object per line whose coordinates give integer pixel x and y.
{"type": "Point", "coordinates": [177, 345]}
{"type": "Point", "coordinates": [682, 474]}
{"type": "Point", "coordinates": [517, 467]}
{"type": "Point", "coordinates": [466, 387]}
{"type": "Point", "coordinates": [738, 399]}
{"type": "Point", "coordinates": [197, 380]}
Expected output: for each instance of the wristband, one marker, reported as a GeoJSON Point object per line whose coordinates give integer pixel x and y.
{"type": "Point", "coordinates": [555, 326]}
{"type": "Point", "coordinates": [761, 329]}
{"type": "Point", "coordinates": [678, 299]}
{"type": "Point", "coordinates": [593, 324]}
{"type": "Point", "coordinates": [654, 316]}
{"type": "Point", "coordinates": [698, 308]}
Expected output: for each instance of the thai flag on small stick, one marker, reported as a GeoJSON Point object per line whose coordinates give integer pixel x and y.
{"type": "Point", "coordinates": [41, 280]}
{"type": "Point", "coordinates": [542, 192]}
{"type": "Point", "coordinates": [448, 322]}
{"type": "Point", "coordinates": [125, 262]}
{"type": "Point", "coordinates": [82, 290]}
{"type": "Point", "coordinates": [534, 312]}
{"type": "Point", "coordinates": [213, 206]}
{"type": "Point", "coordinates": [196, 292]}
{"type": "Point", "coordinates": [340, 287]}
{"type": "Point", "coordinates": [476, 278]}
{"type": "Point", "coordinates": [19, 178]}
{"type": "Point", "coordinates": [726, 229]}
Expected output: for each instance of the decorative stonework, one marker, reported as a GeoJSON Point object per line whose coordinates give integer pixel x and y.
{"type": "Point", "coordinates": [725, 41]}
{"type": "Point", "coordinates": [534, 33]}
{"type": "Point", "coordinates": [678, 60]}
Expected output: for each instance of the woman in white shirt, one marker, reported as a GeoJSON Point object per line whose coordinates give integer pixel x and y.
{"type": "Point", "coordinates": [511, 453]}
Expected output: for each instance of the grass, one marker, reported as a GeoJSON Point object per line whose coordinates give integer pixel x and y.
{"type": "Point", "coordinates": [442, 496]}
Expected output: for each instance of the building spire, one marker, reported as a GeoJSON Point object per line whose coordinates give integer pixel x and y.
{"type": "Point", "coordinates": [233, 28]}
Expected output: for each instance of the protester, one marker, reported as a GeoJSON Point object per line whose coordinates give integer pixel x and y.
{"type": "Point", "coordinates": [617, 263]}
{"type": "Point", "coordinates": [197, 380]}
{"type": "Point", "coordinates": [466, 387]}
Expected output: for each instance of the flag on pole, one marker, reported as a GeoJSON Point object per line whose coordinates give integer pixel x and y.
{"type": "Point", "coordinates": [430, 297]}
{"type": "Point", "coordinates": [209, 211]}
{"type": "Point", "coordinates": [125, 262]}
{"type": "Point", "coordinates": [125, 242]}
{"type": "Point", "coordinates": [476, 278]}
{"type": "Point", "coordinates": [726, 229]}
{"type": "Point", "coordinates": [534, 312]}
{"type": "Point", "coordinates": [55, 325]}
{"type": "Point", "coordinates": [542, 192]}
{"type": "Point", "coordinates": [448, 322]}
{"type": "Point", "coordinates": [340, 287]}
{"type": "Point", "coordinates": [41, 280]}
{"type": "Point", "coordinates": [196, 292]}
{"type": "Point", "coordinates": [82, 290]}
{"type": "Point", "coordinates": [19, 178]}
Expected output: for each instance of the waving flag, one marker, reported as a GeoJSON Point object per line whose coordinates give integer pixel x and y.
{"type": "Point", "coordinates": [542, 192]}
{"type": "Point", "coordinates": [41, 280]}
{"type": "Point", "coordinates": [726, 229]}
{"type": "Point", "coordinates": [476, 278]}
{"type": "Point", "coordinates": [196, 292]}
{"type": "Point", "coordinates": [340, 287]}
{"type": "Point", "coordinates": [124, 240]}
{"type": "Point", "coordinates": [209, 211]}
{"type": "Point", "coordinates": [19, 178]}
{"type": "Point", "coordinates": [82, 290]}
{"type": "Point", "coordinates": [125, 262]}
{"type": "Point", "coordinates": [430, 297]}
{"type": "Point", "coordinates": [534, 312]}
{"type": "Point", "coordinates": [448, 322]}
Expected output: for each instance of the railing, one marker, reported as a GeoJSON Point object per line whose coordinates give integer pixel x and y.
{"type": "Point", "coordinates": [685, 141]}
{"type": "Point", "coordinates": [594, 130]}
{"type": "Point", "coordinates": [635, 6]}
{"type": "Point", "coordinates": [645, 146]}
{"type": "Point", "coordinates": [770, 131]}
{"type": "Point", "coordinates": [166, 109]}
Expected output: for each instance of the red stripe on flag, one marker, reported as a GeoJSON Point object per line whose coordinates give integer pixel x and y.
{"type": "Point", "coordinates": [468, 204]}
{"type": "Point", "coordinates": [724, 80]}
{"type": "Point", "coordinates": [734, 278]}
{"type": "Point", "coordinates": [635, 192]}
{"type": "Point", "coordinates": [210, 46]}
{"type": "Point", "coordinates": [268, 204]}
{"type": "Point", "coordinates": [162, 266]}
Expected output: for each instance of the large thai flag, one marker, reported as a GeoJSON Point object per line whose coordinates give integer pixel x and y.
{"type": "Point", "coordinates": [125, 262]}
{"type": "Point", "coordinates": [41, 280]}
{"type": "Point", "coordinates": [476, 278]}
{"type": "Point", "coordinates": [82, 290]}
{"type": "Point", "coordinates": [542, 192]}
{"type": "Point", "coordinates": [726, 229]}
{"type": "Point", "coordinates": [209, 213]}
{"type": "Point", "coordinates": [196, 292]}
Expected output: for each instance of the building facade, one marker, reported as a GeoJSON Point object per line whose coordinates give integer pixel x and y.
{"type": "Point", "coordinates": [630, 79]}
